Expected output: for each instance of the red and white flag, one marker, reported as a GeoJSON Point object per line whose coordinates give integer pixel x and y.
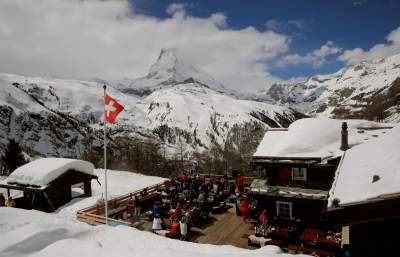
{"type": "Point", "coordinates": [111, 109]}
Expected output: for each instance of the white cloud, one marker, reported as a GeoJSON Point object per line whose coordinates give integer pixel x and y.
{"type": "Point", "coordinates": [106, 39]}
{"type": "Point", "coordinates": [175, 8]}
{"type": "Point", "coordinates": [391, 47]}
{"type": "Point", "coordinates": [316, 58]}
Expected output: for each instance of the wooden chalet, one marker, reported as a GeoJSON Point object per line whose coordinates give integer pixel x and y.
{"type": "Point", "coordinates": [49, 183]}
{"type": "Point", "coordinates": [365, 197]}
{"type": "Point", "coordinates": [294, 186]}
{"type": "Point", "coordinates": [297, 167]}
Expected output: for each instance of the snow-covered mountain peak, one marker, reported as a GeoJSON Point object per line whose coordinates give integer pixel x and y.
{"type": "Point", "coordinates": [168, 70]}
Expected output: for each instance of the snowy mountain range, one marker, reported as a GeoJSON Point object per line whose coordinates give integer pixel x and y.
{"type": "Point", "coordinates": [368, 90]}
{"type": "Point", "coordinates": [175, 103]}
{"type": "Point", "coordinates": [178, 104]}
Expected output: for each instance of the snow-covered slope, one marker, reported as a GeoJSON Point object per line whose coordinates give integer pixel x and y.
{"type": "Point", "coordinates": [352, 92]}
{"type": "Point", "coordinates": [207, 114]}
{"type": "Point", "coordinates": [54, 117]}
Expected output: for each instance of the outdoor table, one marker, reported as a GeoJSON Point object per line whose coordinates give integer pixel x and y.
{"type": "Point", "coordinates": [315, 236]}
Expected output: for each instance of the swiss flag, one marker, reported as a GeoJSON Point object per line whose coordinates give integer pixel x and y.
{"type": "Point", "coordinates": [111, 109]}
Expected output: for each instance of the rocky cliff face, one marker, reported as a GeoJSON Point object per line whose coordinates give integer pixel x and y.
{"type": "Point", "coordinates": [351, 92]}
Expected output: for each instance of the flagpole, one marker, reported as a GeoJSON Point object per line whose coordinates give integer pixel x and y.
{"type": "Point", "coordinates": [105, 158]}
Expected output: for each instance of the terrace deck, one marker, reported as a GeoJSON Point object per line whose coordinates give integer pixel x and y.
{"type": "Point", "coordinates": [224, 229]}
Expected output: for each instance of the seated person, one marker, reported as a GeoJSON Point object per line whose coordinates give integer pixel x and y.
{"type": "Point", "coordinates": [10, 202]}
{"type": "Point", "coordinates": [174, 230]}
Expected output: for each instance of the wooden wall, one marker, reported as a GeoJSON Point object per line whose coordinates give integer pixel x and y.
{"type": "Point", "coordinates": [308, 211]}
{"type": "Point", "coordinates": [318, 176]}
{"type": "Point", "coordinates": [375, 239]}
{"type": "Point", "coordinates": [60, 189]}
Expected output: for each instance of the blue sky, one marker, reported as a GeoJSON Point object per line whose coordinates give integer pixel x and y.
{"type": "Point", "coordinates": [309, 24]}
{"type": "Point", "coordinates": [245, 45]}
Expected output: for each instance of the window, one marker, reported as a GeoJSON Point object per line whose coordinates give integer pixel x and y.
{"type": "Point", "coordinates": [299, 174]}
{"type": "Point", "coordinates": [284, 209]}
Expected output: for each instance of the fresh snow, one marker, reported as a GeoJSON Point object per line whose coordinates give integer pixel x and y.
{"type": "Point", "coordinates": [348, 88]}
{"type": "Point", "coordinates": [33, 233]}
{"type": "Point", "coordinates": [43, 171]}
{"type": "Point", "coordinates": [377, 157]}
{"type": "Point", "coordinates": [316, 137]}
{"type": "Point", "coordinates": [191, 106]}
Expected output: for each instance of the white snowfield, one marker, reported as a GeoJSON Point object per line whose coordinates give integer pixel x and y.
{"type": "Point", "coordinates": [33, 233]}
{"type": "Point", "coordinates": [316, 137]}
{"type": "Point", "coordinates": [345, 87]}
{"type": "Point", "coordinates": [354, 182]}
{"type": "Point", "coordinates": [43, 171]}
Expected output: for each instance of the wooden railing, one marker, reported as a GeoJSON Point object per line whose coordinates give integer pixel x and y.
{"type": "Point", "coordinates": [94, 215]}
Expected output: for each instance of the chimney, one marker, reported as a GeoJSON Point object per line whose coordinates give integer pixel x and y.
{"type": "Point", "coordinates": [345, 137]}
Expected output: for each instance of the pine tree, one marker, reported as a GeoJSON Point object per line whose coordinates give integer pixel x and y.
{"type": "Point", "coordinates": [13, 156]}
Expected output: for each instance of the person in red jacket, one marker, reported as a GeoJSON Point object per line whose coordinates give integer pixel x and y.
{"type": "Point", "coordinates": [240, 182]}
{"type": "Point", "coordinates": [244, 208]}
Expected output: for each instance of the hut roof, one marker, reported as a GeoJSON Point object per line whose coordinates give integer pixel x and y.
{"type": "Point", "coordinates": [42, 172]}
{"type": "Point", "coordinates": [369, 172]}
{"type": "Point", "coordinates": [315, 138]}
{"type": "Point", "coordinates": [260, 186]}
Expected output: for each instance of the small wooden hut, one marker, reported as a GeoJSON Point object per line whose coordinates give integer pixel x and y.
{"type": "Point", "coordinates": [48, 183]}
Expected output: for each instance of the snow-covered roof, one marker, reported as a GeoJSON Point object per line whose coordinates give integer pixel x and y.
{"type": "Point", "coordinates": [43, 171]}
{"type": "Point", "coordinates": [369, 171]}
{"type": "Point", "coordinates": [316, 138]}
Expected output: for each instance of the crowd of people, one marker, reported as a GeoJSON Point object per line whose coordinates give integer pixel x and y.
{"type": "Point", "coordinates": [187, 200]}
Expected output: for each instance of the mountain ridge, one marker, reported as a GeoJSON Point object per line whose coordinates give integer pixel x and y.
{"type": "Point", "coordinates": [347, 93]}
{"type": "Point", "coordinates": [57, 117]}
